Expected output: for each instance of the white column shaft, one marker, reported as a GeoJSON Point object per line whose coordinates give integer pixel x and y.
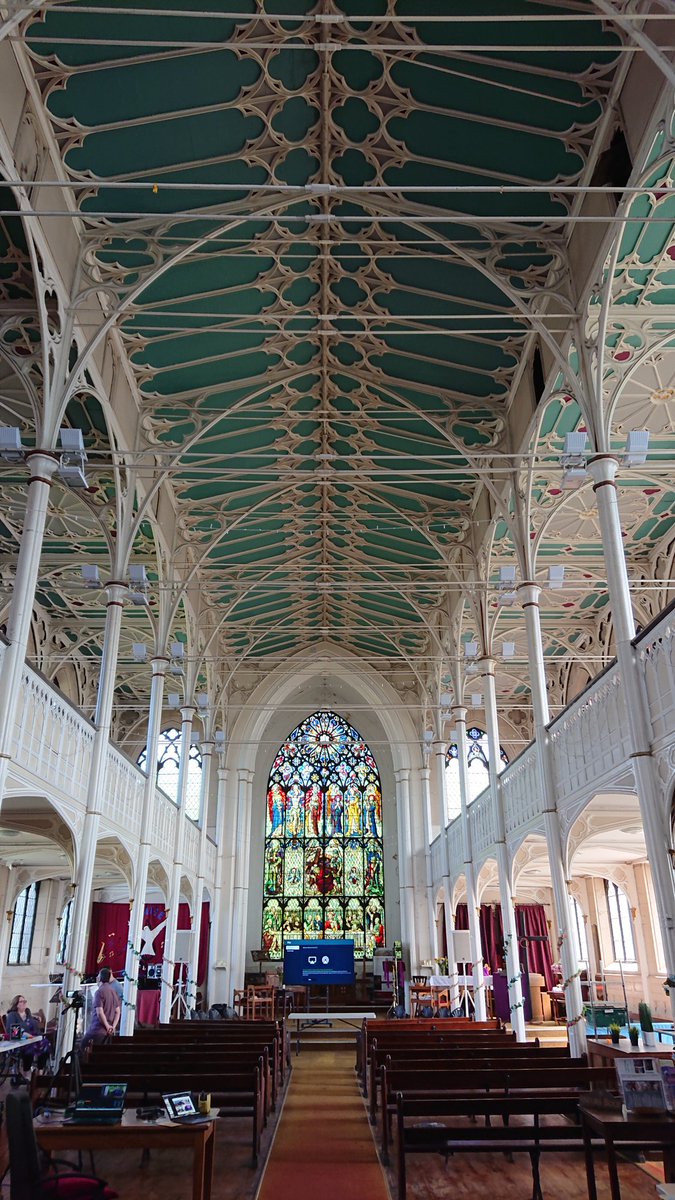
{"type": "Point", "coordinates": [241, 873]}
{"type": "Point", "coordinates": [42, 467]}
{"type": "Point", "coordinates": [195, 941]}
{"type": "Point", "coordinates": [503, 864]}
{"type": "Point", "coordinates": [96, 789]}
{"type": "Point", "coordinates": [136, 917]}
{"type": "Point", "coordinates": [653, 806]}
{"type": "Point", "coordinates": [439, 761]}
{"type": "Point", "coordinates": [166, 999]}
{"type": "Point", "coordinates": [405, 871]}
{"type": "Point", "coordinates": [431, 908]}
{"type": "Point", "coordinates": [218, 991]}
{"type": "Point", "coordinates": [459, 713]}
{"type": "Point", "coordinates": [529, 596]}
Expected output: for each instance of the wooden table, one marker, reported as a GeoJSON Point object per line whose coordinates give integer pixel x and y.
{"type": "Point", "coordinates": [54, 1136]}
{"type": "Point", "coordinates": [601, 1054]}
{"type": "Point", "coordinates": [655, 1132]}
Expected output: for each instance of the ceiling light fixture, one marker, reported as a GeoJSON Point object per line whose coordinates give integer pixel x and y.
{"type": "Point", "coordinates": [574, 460]}
{"type": "Point", "coordinates": [73, 458]}
{"type": "Point", "coordinates": [637, 445]}
{"type": "Point", "coordinates": [11, 448]}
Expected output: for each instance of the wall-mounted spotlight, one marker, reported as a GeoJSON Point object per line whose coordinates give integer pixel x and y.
{"type": "Point", "coordinates": [73, 458]}
{"type": "Point", "coordinates": [202, 699]}
{"type": "Point", "coordinates": [138, 577]}
{"type": "Point", "coordinates": [471, 649]}
{"type": "Point", "coordinates": [508, 649]}
{"type": "Point", "coordinates": [476, 699]}
{"type": "Point", "coordinates": [556, 577]}
{"type": "Point", "coordinates": [177, 652]}
{"type": "Point", "coordinates": [11, 448]}
{"type": "Point", "coordinates": [507, 590]}
{"type": "Point", "coordinates": [637, 445]}
{"type": "Point", "coordinates": [574, 460]}
{"type": "Point", "coordinates": [219, 739]}
{"type": "Point", "coordinates": [174, 699]}
{"type": "Point", "coordinates": [90, 575]}
{"type": "Point", "coordinates": [140, 652]}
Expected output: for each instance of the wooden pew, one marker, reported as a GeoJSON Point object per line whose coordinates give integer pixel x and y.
{"type": "Point", "coordinates": [461, 1058]}
{"type": "Point", "coordinates": [504, 1081]}
{"type": "Point", "coordinates": [375, 1028]}
{"type": "Point", "coordinates": [163, 1060]}
{"type": "Point", "coordinates": [456, 1136]}
{"type": "Point", "coordinates": [443, 1033]}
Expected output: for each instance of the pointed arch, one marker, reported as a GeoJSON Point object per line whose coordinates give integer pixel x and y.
{"type": "Point", "coordinates": [323, 863]}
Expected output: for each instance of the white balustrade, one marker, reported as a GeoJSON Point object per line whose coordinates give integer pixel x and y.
{"type": "Point", "coordinates": [52, 750]}
{"type": "Point", "coordinates": [588, 751]}
{"type": "Point", "coordinates": [656, 655]}
{"type": "Point", "coordinates": [191, 848]}
{"type": "Point", "coordinates": [588, 739]}
{"type": "Point", "coordinates": [520, 792]}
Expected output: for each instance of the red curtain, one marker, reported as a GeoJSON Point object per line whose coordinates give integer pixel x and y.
{"type": "Point", "coordinates": [109, 934]}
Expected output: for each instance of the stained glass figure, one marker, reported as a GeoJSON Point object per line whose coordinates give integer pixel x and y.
{"type": "Point", "coordinates": [478, 757]}
{"type": "Point", "coordinates": [324, 867]}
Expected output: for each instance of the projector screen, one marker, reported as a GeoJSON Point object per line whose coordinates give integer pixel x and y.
{"type": "Point", "coordinates": [329, 962]}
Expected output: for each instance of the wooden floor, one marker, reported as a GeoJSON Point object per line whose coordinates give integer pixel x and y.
{"type": "Point", "coordinates": [167, 1176]}
{"type": "Point", "coordinates": [491, 1177]}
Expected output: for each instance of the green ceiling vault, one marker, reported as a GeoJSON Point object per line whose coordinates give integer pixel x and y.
{"type": "Point", "coordinates": [333, 370]}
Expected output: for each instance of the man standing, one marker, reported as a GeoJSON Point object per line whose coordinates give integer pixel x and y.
{"type": "Point", "coordinates": [107, 1008]}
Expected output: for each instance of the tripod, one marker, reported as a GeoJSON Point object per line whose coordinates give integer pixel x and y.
{"type": "Point", "coordinates": [70, 1060]}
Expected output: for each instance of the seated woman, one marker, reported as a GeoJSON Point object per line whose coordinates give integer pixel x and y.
{"type": "Point", "coordinates": [20, 1022]}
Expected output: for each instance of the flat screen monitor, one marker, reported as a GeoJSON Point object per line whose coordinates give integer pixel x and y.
{"type": "Point", "coordinates": [329, 962]}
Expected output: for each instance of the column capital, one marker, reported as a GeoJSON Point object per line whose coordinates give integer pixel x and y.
{"type": "Point", "coordinates": [459, 712]}
{"type": "Point", "coordinates": [402, 774]}
{"type": "Point", "coordinates": [603, 469]}
{"type": "Point", "coordinates": [487, 664]}
{"type": "Point", "coordinates": [529, 593]}
{"type": "Point", "coordinates": [425, 774]}
{"type": "Point", "coordinates": [207, 747]}
{"type": "Point", "coordinates": [187, 712]}
{"type": "Point", "coordinates": [222, 772]}
{"type": "Point", "coordinates": [42, 465]}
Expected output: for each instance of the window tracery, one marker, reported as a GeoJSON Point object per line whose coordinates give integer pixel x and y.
{"type": "Point", "coordinates": [478, 758]}
{"type": "Point", "coordinates": [323, 869]}
{"type": "Point", "coordinates": [168, 766]}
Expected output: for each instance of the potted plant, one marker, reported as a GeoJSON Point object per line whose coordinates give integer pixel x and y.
{"type": "Point", "coordinates": [646, 1023]}
{"type": "Point", "coordinates": [634, 1034]}
{"type": "Point", "coordinates": [615, 1034]}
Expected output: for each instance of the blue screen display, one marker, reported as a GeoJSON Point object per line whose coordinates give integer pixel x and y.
{"type": "Point", "coordinates": [329, 962]}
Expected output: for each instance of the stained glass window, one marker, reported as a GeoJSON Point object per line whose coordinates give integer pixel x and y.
{"type": "Point", "coordinates": [168, 762]}
{"type": "Point", "coordinates": [478, 757]}
{"type": "Point", "coordinates": [324, 871]}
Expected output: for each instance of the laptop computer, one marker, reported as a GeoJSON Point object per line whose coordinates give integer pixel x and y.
{"type": "Point", "coordinates": [99, 1104]}
{"type": "Point", "coordinates": [180, 1107]}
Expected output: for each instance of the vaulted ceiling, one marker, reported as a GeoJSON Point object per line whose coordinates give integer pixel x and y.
{"type": "Point", "coordinates": [333, 235]}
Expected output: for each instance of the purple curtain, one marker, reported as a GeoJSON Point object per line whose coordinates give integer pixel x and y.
{"type": "Point", "coordinates": [461, 917]}
{"type": "Point", "coordinates": [491, 935]}
{"type": "Point", "coordinates": [531, 922]}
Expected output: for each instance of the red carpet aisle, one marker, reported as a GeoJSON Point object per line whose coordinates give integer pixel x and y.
{"type": "Point", "coordinates": [323, 1146]}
